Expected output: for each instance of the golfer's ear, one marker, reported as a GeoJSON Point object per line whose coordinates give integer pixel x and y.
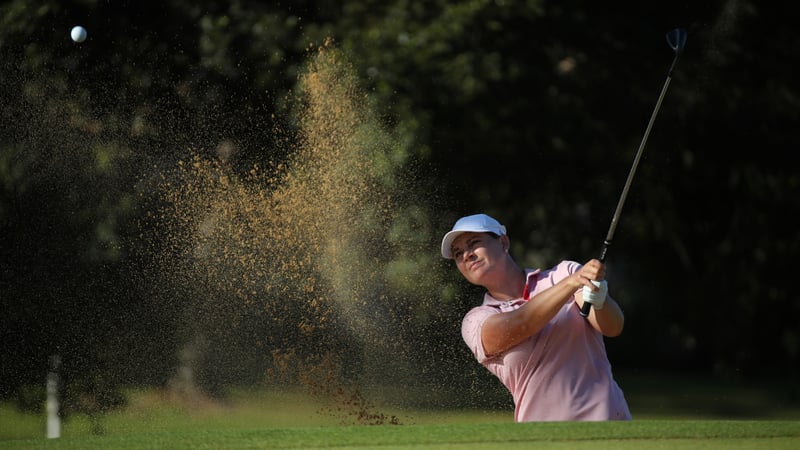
{"type": "Point", "coordinates": [505, 242]}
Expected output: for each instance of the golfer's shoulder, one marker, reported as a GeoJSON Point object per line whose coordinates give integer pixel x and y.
{"type": "Point", "coordinates": [484, 309]}
{"type": "Point", "coordinates": [564, 268]}
{"type": "Point", "coordinates": [479, 313]}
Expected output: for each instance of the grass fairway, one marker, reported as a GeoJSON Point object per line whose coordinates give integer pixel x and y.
{"type": "Point", "coordinates": [681, 416]}
{"type": "Point", "coordinates": [647, 434]}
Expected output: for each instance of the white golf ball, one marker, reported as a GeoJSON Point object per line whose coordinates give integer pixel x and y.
{"type": "Point", "coordinates": [78, 34]}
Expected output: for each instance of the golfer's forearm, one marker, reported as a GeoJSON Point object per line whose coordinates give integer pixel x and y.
{"type": "Point", "coordinates": [610, 320]}
{"type": "Point", "coordinates": [545, 305]}
{"type": "Point", "coordinates": [503, 331]}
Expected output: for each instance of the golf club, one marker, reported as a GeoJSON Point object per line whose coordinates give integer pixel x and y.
{"type": "Point", "coordinates": [677, 40]}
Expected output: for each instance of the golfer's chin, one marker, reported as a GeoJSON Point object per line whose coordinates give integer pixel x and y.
{"type": "Point", "coordinates": [476, 274]}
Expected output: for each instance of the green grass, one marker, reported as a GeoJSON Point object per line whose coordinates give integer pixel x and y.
{"type": "Point", "coordinates": [648, 434]}
{"type": "Point", "coordinates": [150, 411]}
{"type": "Point", "coordinates": [667, 414]}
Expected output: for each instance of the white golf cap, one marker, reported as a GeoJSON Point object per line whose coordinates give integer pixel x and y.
{"type": "Point", "coordinates": [477, 223]}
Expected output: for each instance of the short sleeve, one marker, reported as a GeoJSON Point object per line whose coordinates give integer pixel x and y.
{"type": "Point", "coordinates": [471, 328]}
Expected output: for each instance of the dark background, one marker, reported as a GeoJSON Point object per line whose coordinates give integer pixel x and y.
{"type": "Point", "coordinates": [529, 111]}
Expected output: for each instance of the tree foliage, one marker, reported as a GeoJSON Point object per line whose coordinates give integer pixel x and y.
{"type": "Point", "coordinates": [530, 111]}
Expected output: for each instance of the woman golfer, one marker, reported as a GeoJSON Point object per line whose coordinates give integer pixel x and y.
{"type": "Point", "coordinates": [529, 332]}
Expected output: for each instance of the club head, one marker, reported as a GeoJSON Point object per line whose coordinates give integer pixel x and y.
{"type": "Point", "coordinates": [677, 39]}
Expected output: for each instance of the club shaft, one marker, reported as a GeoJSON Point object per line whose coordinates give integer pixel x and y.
{"type": "Point", "coordinates": [615, 219]}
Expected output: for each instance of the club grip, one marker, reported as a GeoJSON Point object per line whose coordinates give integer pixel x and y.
{"type": "Point", "coordinates": [585, 309]}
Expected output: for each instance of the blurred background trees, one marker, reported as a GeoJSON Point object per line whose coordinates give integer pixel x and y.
{"type": "Point", "coordinates": [529, 111]}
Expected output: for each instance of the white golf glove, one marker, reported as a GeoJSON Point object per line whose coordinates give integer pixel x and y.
{"type": "Point", "coordinates": [596, 298]}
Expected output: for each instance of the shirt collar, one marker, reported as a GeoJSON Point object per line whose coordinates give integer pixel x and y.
{"type": "Point", "coordinates": [530, 285]}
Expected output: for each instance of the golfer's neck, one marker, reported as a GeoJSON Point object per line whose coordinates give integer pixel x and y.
{"type": "Point", "coordinates": [510, 285]}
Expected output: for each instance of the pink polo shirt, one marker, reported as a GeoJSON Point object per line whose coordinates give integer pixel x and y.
{"type": "Point", "coordinates": [561, 373]}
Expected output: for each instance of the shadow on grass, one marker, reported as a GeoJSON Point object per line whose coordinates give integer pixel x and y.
{"type": "Point", "coordinates": [656, 395]}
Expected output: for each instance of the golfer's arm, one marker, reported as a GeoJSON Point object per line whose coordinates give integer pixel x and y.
{"type": "Point", "coordinates": [610, 320]}
{"type": "Point", "coordinates": [505, 330]}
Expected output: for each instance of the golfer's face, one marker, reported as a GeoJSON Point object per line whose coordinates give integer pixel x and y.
{"type": "Point", "coordinates": [476, 254]}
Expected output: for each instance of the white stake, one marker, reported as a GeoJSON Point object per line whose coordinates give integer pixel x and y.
{"type": "Point", "coordinates": [53, 421]}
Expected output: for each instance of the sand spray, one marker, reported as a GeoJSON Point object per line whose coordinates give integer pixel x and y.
{"type": "Point", "coordinates": [312, 244]}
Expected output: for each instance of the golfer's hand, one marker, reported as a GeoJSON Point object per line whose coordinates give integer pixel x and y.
{"type": "Point", "coordinates": [591, 276]}
{"type": "Point", "coordinates": [593, 270]}
{"type": "Point", "coordinates": [597, 296]}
